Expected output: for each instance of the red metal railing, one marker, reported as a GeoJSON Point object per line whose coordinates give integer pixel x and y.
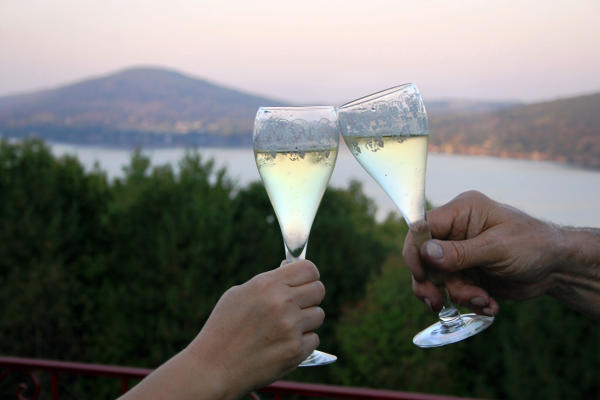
{"type": "Point", "coordinates": [28, 365]}
{"type": "Point", "coordinates": [278, 389]}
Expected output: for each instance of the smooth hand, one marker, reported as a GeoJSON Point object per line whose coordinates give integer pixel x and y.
{"type": "Point", "coordinates": [257, 332]}
{"type": "Point", "coordinates": [263, 329]}
{"type": "Point", "coordinates": [487, 249]}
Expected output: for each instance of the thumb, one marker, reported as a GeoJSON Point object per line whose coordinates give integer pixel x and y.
{"type": "Point", "coordinates": [453, 255]}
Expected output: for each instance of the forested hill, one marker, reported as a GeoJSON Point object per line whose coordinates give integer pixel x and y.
{"type": "Point", "coordinates": [566, 130]}
{"type": "Point", "coordinates": [147, 106]}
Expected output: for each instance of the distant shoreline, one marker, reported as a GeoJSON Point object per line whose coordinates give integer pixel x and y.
{"type": "Point", "coordinates": [513, 155]}
{"type": "Point", "coordinates": [157, 142]}
{"type": "Point", "coordinates": [479, 151]}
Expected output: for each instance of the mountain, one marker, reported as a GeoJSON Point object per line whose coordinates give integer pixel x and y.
{"type": "Point", "coordinates": [565, 130]}
{"type": "Point", "coordinates": [158, 107]}
{"type": "Point", "coordinates": [454, 106]}
{"type": "Point", "coordinates": [147, 106]}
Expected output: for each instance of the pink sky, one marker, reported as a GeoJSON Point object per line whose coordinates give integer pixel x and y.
{"type": "Point", "coordinates": [326, 51]}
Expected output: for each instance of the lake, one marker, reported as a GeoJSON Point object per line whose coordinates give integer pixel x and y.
{"type": "Point", "coordinates": [551, 191]}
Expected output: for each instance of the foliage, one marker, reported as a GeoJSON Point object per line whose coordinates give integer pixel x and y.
{"type": "Point", "coordinates": [125, 272]}
{"type": "Point", "coordinates": [376, 339]}
{"type": "Point", "coordinates": [534, 349]}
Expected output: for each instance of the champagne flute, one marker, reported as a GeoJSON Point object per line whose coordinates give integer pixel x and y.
{"type": "Point", "coordinates": [295, 149]}
{"type": "Point", "coordinates": [387, 133]}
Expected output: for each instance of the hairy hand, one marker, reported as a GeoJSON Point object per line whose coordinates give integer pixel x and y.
{"type": "Point", "coordinates": [486, 249]}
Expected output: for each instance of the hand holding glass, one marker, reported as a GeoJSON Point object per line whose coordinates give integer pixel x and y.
{"type": "Point", "coordinates": [295, 150]}
{"type": "Point", "coordinates": [387, 133]}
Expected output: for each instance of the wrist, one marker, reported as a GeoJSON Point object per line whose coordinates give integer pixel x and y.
{"type": "Point", "coordinates": [578, 251]}
{"type": "Point", "coordinates": [577, 270]}
{"type": "Point", "coordinates": [213, 379]}
{"type": "Point", "coordinates": [183, 377]}
{"type": "Point", "coordinates": [209, 382]}
{"type": "Point", "coordinates": [561, 250]}
{"type": "Point", "coordinates": [554, 249]}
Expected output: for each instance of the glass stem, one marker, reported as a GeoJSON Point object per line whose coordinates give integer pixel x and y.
{"type": "Point", "coordinates": [449, 316]}
{"type": "Point", "coordinates": [290, 258]}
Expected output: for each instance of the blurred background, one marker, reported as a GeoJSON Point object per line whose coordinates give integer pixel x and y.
{"type": "Point", "coordinates": [114, 255]}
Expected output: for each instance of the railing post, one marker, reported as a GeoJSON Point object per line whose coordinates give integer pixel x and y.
{"type": "Point", "coordinates": [54, 385]}
{"type": "Point", "coordinates": [23, 387]}
{"type": "Point", "coordinates": [124, 385]}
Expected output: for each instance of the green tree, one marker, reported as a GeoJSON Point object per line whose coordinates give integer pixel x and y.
{"type": "Point", "coordinates": [126, 271]}
{"type": "Point", "coordinates": [375, 338]}
{"type": "Point", "coordinates": [49, 211]}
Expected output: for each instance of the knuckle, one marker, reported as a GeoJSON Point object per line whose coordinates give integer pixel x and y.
{"type": "Point", "coordinates": [320, 314]}
{"type": "Point", "coordinates": [462, 253]}
{"type": "Point", "coordinates": [288, 325]}
{"type": "Point", "coordinates": [472, 194]}
{"type": "Point", "coordinates": [458, 297]}
{"type": "Point", "coordinates": [410, 256]}
{"type": "Point", "coordinates": [261, 281]}
{"type": "Point", "coordinates": [416, 288]}
{"type": "Point", "coordinates": [316, 340]}
{"type": "Point", "coordinates": [277, 306]}
{"type": "Point", "coordinates": [234, 290]}
{"type": "Point", "coordinates": [312, 270]}
{"type": "Point", "coordinates": [293, 350]}
{"type": "Point", "coordinates": [418, 274]}
{"type": "Point", "coordinates": [304, 268]}
{"type": "Point", "coordinates": [321, 290]}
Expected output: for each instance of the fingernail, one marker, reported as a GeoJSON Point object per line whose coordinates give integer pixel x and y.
{"type": "Point", "coordinates": [488, 311]}
{"type": "Point", "coordinates": [479, 301]}
{"type": "Point", "coordinates": [434, 250]}
{"type": "Point", "coordinates": [426, 300]}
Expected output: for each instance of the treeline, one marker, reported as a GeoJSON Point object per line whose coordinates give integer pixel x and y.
{"type": "Point", "coordinates": [125, 272]}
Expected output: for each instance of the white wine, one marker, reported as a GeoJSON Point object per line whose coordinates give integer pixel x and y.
{"type": "Point", "coordinates": [295, 182]}
{"type": "Point", "coordinates": [398, 164]}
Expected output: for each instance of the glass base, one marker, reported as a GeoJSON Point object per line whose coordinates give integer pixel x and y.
{"type": "Point", "coordinates": [439, 335]}
{"type": "Point", "coordinates": [318, 358]}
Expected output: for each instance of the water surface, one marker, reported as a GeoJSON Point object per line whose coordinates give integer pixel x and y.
{"type": "Point", "coordinates": [550, 191]}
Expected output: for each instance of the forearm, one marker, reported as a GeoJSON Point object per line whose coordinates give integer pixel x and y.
{"type": "Point", "coordinates": [577, 275]}
{"type": "Point", "coordinates": [182, 377]}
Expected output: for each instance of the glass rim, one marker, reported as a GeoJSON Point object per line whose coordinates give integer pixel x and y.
{"type": "Point", "coordinates": [376, 95]}
{"type": "Point", "coordinates": [296, 108]}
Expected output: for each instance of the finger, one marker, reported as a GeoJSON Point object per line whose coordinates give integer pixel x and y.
{"type": "Point", "coordinates": [461, 216]}
{"type": "Point", "coordinates": [428, 293]}
{"type": "Point", "coordinates": [298, 273]}
{"type": "Point", "coordinates": [455, 255]}
{"type": "Point", "coordinates": [492, 309]}
{"type": "Point", "coordinates": [443, 219]}
{"type": "Point", "coordinates": [310, 342]}
{"type": "Point", "coordinates": [311, 318]}
{"type": "Point", "coordinates": [467, 295]}
{"type": "Point", "coordinates": [412, 259]}
{"type": "Point", "coordinates": [308, 295]}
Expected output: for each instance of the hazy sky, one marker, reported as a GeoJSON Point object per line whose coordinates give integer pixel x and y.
{"type": "Point", "coordinates": [325, 50]}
